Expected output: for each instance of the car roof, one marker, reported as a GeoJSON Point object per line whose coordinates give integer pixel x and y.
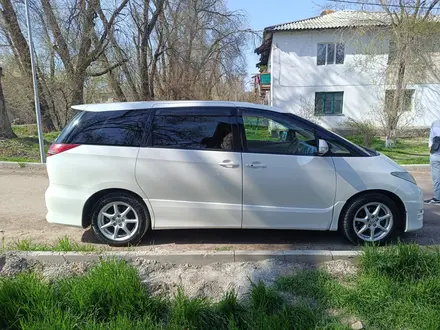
{"type": "Point", "coordinates": [168, 104]}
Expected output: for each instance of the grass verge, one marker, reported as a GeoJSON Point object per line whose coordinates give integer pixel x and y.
{"type": "Point", "coordinates": [395, 288]}
{"type": "Point", "coordinates": [406, 151]}
{"type": "Point", "coordinates": [24, 148]}
{"type": "Point", "coordinates": [64, 244]}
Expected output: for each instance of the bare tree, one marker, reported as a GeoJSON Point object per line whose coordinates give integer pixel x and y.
{"type": "Point", "coordinates": [77, 61]}
{"type": "Point", "coordinates": [408, 32]}
{"type": "Point", "coordinates": [20, 47]}
{"type": "Point", "coordinates": [5, 124]}
{"type": "Point", "coordinates": [92, 51]}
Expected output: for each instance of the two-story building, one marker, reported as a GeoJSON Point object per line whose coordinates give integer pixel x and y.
{"type": "Point", "coordinates": [323, 67]}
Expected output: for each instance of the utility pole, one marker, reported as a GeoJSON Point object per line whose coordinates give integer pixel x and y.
{"type": "Point", "coordinates": [35, 83]}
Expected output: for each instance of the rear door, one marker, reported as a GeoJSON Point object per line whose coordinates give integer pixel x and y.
{"type": "Point", "coordinates": [191, 169]}
{"type": "Point", "coordinates": [286, 185]}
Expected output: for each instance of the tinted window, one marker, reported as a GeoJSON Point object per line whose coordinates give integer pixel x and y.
{"type": "Point", "coordinates": [116, 128]}
{"type": "Point", "coordinates": [277, 136]}
{"type": "Point", "coordinates": [193, 132]}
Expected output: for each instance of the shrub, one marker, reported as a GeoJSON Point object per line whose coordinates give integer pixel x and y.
{"type": "Point", "coordinates": [362, 129]}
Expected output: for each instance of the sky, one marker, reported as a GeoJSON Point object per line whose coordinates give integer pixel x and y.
{"type": "Point", "coordinates": [264, 13]}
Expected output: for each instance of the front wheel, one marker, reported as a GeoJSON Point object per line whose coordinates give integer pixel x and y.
{"type": "Point", "coordinates": [371, 218]}
{"type": "Point", "coordinates": [119, 219]}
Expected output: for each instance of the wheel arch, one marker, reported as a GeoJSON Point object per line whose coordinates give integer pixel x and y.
{"type": "Point", "coordinates": [88, 206]}
{"type": "Point", "coordinates": [396, 199]}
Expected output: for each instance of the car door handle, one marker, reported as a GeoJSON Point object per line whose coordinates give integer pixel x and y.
{"type": "Point", "coordinates": [256, 165]}
{"type": "Point", "coordinates": [228, 164]}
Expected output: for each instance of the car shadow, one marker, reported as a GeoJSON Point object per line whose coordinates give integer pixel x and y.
{"type": "Point", "coordinates": [224, 239]}
{"type": "Point", "coordinates": [271, 239]}
{"type": "Point", "coordinates": [267, 239]}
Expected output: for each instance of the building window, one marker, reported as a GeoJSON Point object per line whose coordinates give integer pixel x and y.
{"type": "Point", "coordinates": [329, 103]}
{"type": "Point", "coordinates": [407, 99]}
{"type": "Point", "coordinates": [330, 54]}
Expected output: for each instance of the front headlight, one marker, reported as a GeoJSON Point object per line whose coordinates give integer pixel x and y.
{"type": "Point", "coordinates": [405, 176]}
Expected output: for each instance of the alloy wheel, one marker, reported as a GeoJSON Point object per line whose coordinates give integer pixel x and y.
{"type": "Point", "coordinates": [373, 222]}
{"type": "Point", "coordinates": [118, 221]}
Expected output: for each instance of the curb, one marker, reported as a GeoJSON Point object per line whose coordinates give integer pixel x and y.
{"type": "Point", "coordinates": [196, 257]}
{"type": "Point", "coordinates": [16, 165]}
{"type": "Point", "coordinates": [417, 167]}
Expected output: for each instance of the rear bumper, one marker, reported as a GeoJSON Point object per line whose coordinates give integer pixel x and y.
{"type": "Point", "coordinates": [65, 204]}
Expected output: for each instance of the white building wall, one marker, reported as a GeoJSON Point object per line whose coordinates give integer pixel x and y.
{"type": "Point", "coordinates": [296, 77]}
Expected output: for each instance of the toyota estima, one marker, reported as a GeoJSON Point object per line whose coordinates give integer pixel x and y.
{"type": "Point", "coordinates": [126, 168]}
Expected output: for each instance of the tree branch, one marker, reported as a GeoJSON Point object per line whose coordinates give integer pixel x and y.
{"type": "Point", "coordinates": [107, 70]}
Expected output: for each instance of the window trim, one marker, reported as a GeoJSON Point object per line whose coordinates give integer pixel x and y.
{"type": "Point", "coordinates": [326, 53]}
{"type": "Point", "coordinates": [333, 113]}
{"type": "Point", "coordinates": [204, 111]}
{"type": "Point", "coordinates": [271, 115]}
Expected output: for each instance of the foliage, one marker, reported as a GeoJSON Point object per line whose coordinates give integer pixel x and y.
{"type": "Point", "coordinates": [63, 244]}
{"type": "Point", "coordinates": [362, 129]}
{"type": "Point", "coordinates": [404, 151]}
{"type": "Point", "coordinates": [25, 147]}
{"type": "Point", "coordinates": [394, 287]}
{"type": "Point", "coordinates": [126, 51]}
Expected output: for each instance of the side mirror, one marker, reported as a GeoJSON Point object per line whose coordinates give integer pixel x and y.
{"type": "Point", "coordinates": [323, 147]}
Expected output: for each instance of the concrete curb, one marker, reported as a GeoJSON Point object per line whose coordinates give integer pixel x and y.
{"type": "Point", "coordinates": [417, 167]}
{"type": "Point", "coordinates": [191, 257]}
{"type": "Point", "coordinates": [15, 165]}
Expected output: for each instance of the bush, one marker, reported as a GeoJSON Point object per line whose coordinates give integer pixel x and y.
{"type": "Point", "coordinates": [362, 129]}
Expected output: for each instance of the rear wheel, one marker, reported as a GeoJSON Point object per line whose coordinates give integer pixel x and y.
{"type": "Point", "coordinates": [370, 218]}
{"type": "Point", "coordinates": [119, 219]}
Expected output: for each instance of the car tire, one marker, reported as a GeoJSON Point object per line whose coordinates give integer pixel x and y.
{"type": "Point", "coordinates": [363, 222]}
{"type": "Point", "coordinates": [129, 228]}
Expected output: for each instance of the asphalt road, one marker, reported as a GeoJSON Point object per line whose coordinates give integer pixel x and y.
{"type": "Point", "coordinates": [22, 216]}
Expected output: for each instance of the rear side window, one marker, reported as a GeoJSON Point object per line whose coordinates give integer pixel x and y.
{"type": "Point", "coordinates": [199, 132]}
{"type": "Point", "coordinates": [113, 128]}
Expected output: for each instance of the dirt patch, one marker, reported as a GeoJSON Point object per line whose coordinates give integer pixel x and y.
{"type": "Point", "coordinates": [211, 280]}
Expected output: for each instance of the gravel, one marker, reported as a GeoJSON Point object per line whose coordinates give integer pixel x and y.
{"type": "Point", "coordinates": [211, 280]}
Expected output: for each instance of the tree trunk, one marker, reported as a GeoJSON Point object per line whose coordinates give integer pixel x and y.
{"type": "Point", "coordinates": [5, 125]}
{"type": "Point", "coordinates": [77, 86]}
{"type": "Point", "coordinates": [22, 50]}
{"type": "Point", "coordinates": [114, 82]}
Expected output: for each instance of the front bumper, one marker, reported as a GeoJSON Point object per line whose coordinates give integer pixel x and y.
{"type": "Point", "coordinates": [414, 213]}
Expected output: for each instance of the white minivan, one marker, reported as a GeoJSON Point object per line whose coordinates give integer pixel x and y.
{"type": "Point", "coordinates": [126, 168]}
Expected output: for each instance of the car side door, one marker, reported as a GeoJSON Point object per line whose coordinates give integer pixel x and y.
{"type": "Point", "coordinates": [191, 169]}
{"type": "Point", "coordinates": [286, 184]}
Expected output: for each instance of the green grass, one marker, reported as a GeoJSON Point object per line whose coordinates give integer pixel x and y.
{"type": "Point", "coordinates": [395, 287]}
{"type": "Point", "coordinates": [223, 248]}
{"type": "Point", "coordinates": [64, 244]}
{"type": "Point", "coordinates": [25, 147]}
{"type": "Point", "coordinates": [111, 296]}
{"type": "Point", "coordinates": [406, 150]}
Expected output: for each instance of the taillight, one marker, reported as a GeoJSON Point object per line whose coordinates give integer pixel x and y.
{"type": "Point", "coordinates": [58, 148]}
